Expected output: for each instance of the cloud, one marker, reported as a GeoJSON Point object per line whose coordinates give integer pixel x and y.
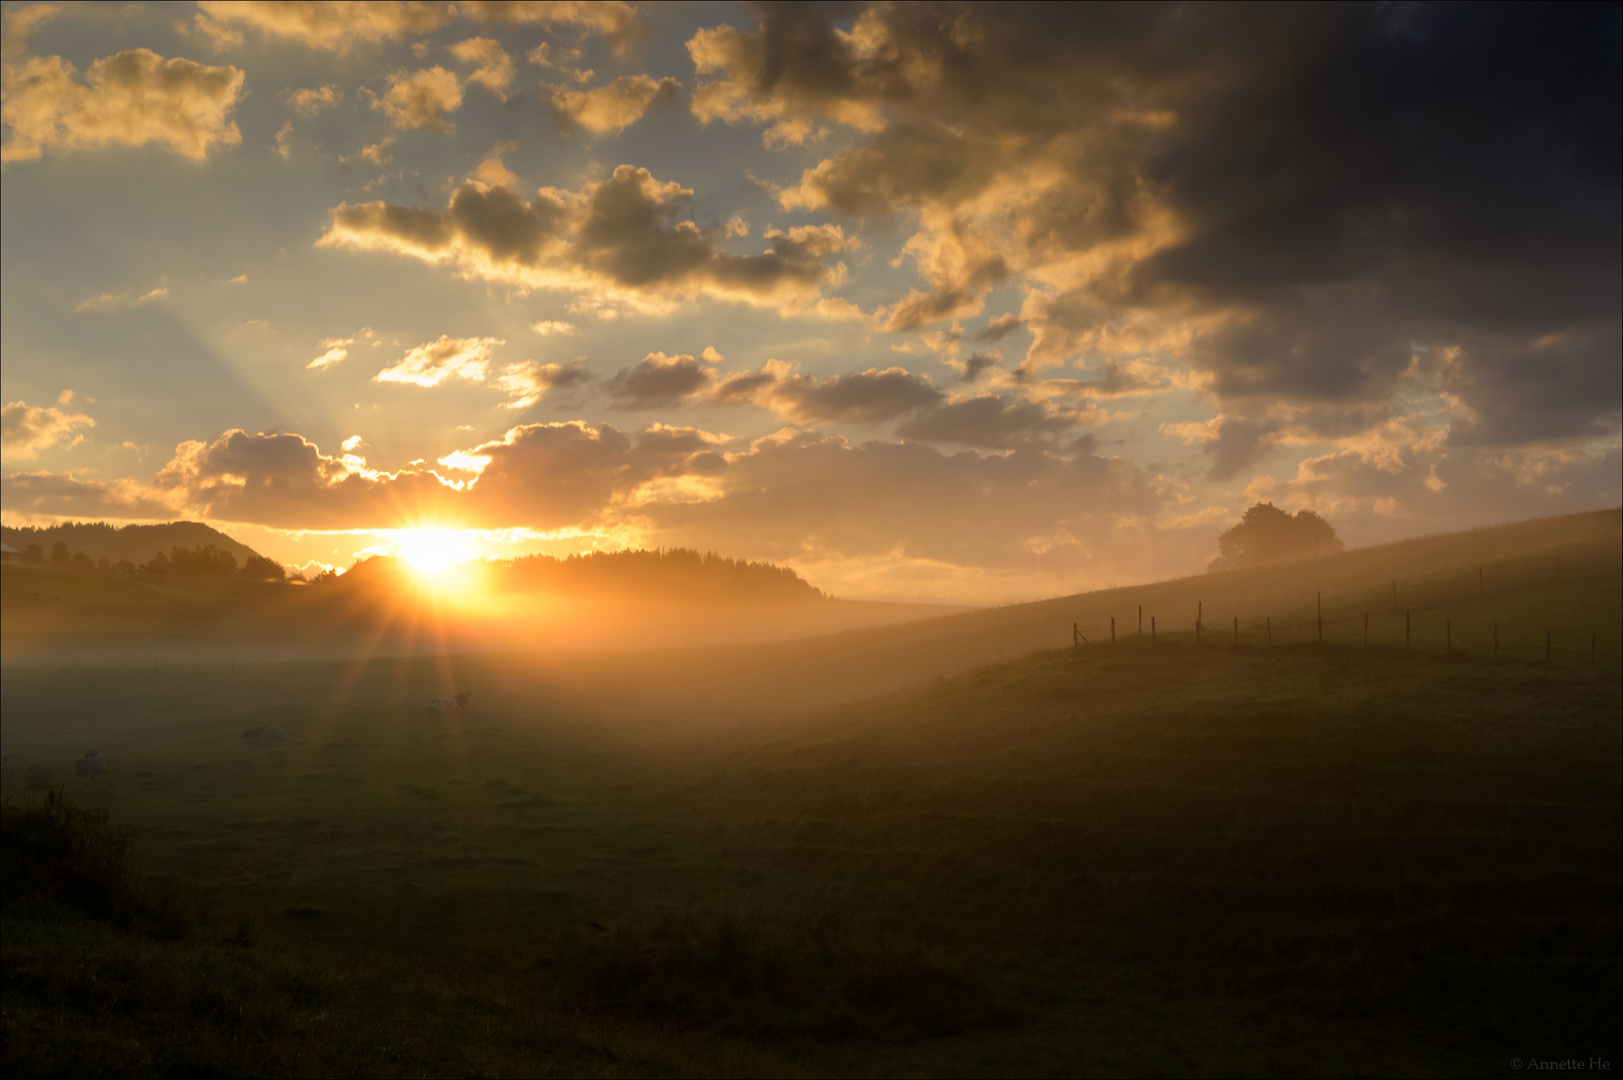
{"type": "Point", "coordinates": [609, 109]}
{"type": "Point", "coordinates": [494, 67]}
{"type": "Point", "coordinates": [133, 98]}
{"type": "Point", "coordinates": [448, 358]}
{"type": "Point", "coordinates": [119, 301]}
{"type": "Point", "coordinates": [26, 429]}
{"type": "Point", "coordinates": [612, 19]}
{"type": "Point", "coordinates": [20, 24]}
{"type": "Point", "coordinates": [548, 327]}
{"type": "Point", "coordinates": [379, 153]}
{"type": "Point", "coordinates": [988, 421]}
{"type": "Point", "coordinates": [658, 381]}
{"type": "Point", "coordinates": [421, 99]}
{"type": "Point", "coordinates": [310, 102]}
{"type": "Point", "coordinates": [333, 27]}
{"type": "Point", "coordinates": [337, 351]}
{"type": "Point", "coordinates": [863, 398]}
{"type": "Point", "coordinates": [1286, 207]}
{"type": "Point", "coordinates": [631, 242]}
{"type": "Point", "coordinates": [976, 365]}
{"type": "Point", "coordinates": [527, 381]}
{"type": "Point", "coordinates": [63, 495]}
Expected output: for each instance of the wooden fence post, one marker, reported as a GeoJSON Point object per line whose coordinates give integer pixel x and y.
{"type": "Point", "coordinates": [1112, 629]}
{"type": "Point", "coordinates": [1152, 629]}
{"type": "Point", "coordinates": [1076, 637]}
{"type": "Point", "coordinates": [1236, 629]}
{"type": "Point", "coordinates": [1408, 639]}
{"type": "Point", "coordinates": [1270, 624]}
{"type": "Point", "coordinates": [1141, 620]}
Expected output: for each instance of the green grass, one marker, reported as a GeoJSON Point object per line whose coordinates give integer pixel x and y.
{"type": "Point", "coordinates": [1162, 860]}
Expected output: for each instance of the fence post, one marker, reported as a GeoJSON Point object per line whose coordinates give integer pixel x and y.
{"type": "Point", "coordinates": [1270, 624]}
{"type": "Point", "coordinates": [1408, 639]}
{"type": "Point", "coordinates": [1141, 620]}
{"type": "Point", "coordinates": [1152, 629]}
{"type": "Point", "coordinates": [1112, 629]}
{"type": "Point", "coordinates": [1197, 631]}
{"type": "Point", "coordinates": [1237, 630]}
{"type": "Point", "coordinates": [1076, 637]}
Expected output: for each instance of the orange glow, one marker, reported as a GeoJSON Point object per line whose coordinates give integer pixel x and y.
{"type": "Point", "coordinates": [430, 551]}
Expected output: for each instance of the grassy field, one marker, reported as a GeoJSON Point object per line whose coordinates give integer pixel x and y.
{"type": "Point", "coordinates": [1147, 860]}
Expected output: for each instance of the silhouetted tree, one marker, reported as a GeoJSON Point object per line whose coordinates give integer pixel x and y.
{"type": "Point", "coordinates": [1266, 534]}
{"type": "Point", "coordinates": [158, 565]}
{"type": "Point", "coordinates": [207, 559]}
{"type": "Point", "coordinates": [262, 569]}
{"type": "Point", "coordinates": [82, 561]}
{"type": "Point", "coordinates": [60, 554]}
{"type": "Point", "coordinates": [34, 553]}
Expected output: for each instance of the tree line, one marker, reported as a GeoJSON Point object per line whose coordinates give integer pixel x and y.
{"type": "Point", "coordinates": [207, 560]}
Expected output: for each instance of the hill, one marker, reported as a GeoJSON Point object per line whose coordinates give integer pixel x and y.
{"type": "Point", "coordinates": [135, 543]}
{"type": "Point", "coordinates": [1153, 859]}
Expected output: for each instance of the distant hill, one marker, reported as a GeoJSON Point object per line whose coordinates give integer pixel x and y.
{"type": "Point", "coordinates": [137, 543]}
{"type": "Point", "coordinates": [677, 574]}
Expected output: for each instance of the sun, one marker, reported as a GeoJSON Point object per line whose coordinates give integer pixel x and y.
{"type": "Point", "coordinates": [430, 551]}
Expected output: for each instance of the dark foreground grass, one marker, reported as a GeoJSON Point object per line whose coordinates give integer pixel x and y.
{"type": "Point", "coordinates": [1144, 861]}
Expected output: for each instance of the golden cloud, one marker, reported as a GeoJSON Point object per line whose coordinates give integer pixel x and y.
{"type": "Point", "coordinates": [448, 358]}
{"type": "Point", "coordinates": [612, 108]}
{"type": "Point", "coordinates": [26, 429]}
{"type": "Point", "coordinates": [420, 99]}
{"type": "Point", "coordinates": [623, 239]}
{"type": "Point", "coordinates": [132, 98]}
{"type": "Point", "coordinates": [320, 25]}
{"type": "Point", "coordinates": [494, 70]}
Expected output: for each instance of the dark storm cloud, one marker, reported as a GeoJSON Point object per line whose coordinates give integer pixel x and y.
{"type": "Point", "coordinates": [1317, 189]}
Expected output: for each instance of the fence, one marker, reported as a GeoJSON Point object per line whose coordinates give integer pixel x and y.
{"type": "Point", "coordinates": [1453, 619]}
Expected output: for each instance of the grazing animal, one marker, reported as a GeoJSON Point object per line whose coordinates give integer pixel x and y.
{"type": "Point", "coordinates": [448, 704]}
{"type": "Point", "coordinates": [92, 764]}
{"type": "Point", "coordinates": [267, 735]}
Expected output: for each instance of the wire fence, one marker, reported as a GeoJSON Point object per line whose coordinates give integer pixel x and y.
{"type": "Point", "coordinates": [1500, 612]}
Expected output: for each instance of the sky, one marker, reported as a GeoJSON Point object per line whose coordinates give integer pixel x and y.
{"type": "Point", "coordinates": [965, 303]}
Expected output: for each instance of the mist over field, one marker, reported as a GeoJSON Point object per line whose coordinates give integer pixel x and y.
{"type": "Point", "coordinates": [996, 833]}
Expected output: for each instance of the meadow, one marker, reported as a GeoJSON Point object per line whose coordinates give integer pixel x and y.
{"type": "Point", "coordinates": [958, 846]}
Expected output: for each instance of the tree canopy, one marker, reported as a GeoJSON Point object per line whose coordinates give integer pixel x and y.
{"type": "Point", "coordinates": [1267, 534]}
